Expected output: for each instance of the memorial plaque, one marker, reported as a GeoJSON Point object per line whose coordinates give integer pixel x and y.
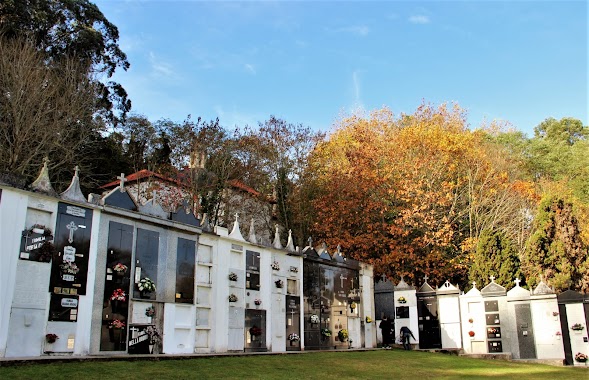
{"type": "Point", "coordinates": [492, 319]}
{"type": "Point", "coordinates": [63, 308]}
{"type": "Point", "coordinates": [491, 306]}
{"type": "Point", "coordinates": [30, 290]}
{"type": "Point", "coordinates": [402, 312]}
{"type": "Point", "coordinates": [494, 346]}
{"type": "Point", "coordinates": [69, 268]}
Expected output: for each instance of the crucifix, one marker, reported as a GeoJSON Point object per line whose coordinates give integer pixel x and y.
{"type": "Point", "coordinates": [492, 278]}
{"type": "Point", "coordinates": [236, 217]}
{"type": "Point", "coordinates": [72, 228]}
{"type": "Point", "coordinates": [122, 180]}
{"type": "Point", "coordinates": [342, 278]}
{"type": "Point", "coordinates": [425, 278]}
{"type": "Point", "coordinates": [517, 281]}
{"type": "Point", "coordinates": [134, 331]}
{"type": "Point", "coordinates": [292, 313]}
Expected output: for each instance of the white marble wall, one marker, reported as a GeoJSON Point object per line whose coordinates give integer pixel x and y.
{"type": "Point", "coordinates": [473, 319]}
{"type": "Point", "coordinates": [547, 327]}
{"type": "Point", "coordinates": [576, 314]}
{"type": "Point", "coordinates": [412, 321]}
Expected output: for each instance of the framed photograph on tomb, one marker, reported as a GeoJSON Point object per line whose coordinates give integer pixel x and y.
{"type": "Point", "coordinates": [494, 346]}
{"type": "Point", "coordinates": [493, 332]}
{"type": "Point", "coordinates": [491, 306]}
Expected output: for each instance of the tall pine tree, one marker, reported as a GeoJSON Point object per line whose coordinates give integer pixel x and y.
{"type": "Point", "coordinates": [555, 249]}
{"type": "Point", "coordinates": [495, 255]}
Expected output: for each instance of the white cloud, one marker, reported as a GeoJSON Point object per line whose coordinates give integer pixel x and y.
{"type": "Point", "coordinates": [419, 19]}
{"type": "Point", "coordinates": [250, 68]}
{"type": "Point", "coordinates": [359, 30]}
{"type": "Point", "coordinates": [159, 67]}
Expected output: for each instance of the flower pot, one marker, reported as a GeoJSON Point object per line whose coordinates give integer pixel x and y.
{"type": "Point", "coordinates": [144, 294]}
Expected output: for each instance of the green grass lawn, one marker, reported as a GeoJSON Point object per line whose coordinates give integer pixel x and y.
{"type": "Point", "coordinates": [384, 364]}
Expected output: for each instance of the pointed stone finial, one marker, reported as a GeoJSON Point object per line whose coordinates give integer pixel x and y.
{"type": "Point", "coordinates": [492, 278]}
{"type": "Point", "coordinates": [252, 235]}
{"type": "Point", "coordinates": [154, 196]}
{"type": "Point", "coordinates": [310, 242]}
{"type": "Point", "coordinates": [204, 224]}
{"type": "Point", "coordinates": [276, 243]}
{"type": "Point", "coordinates": [474, 284]}
{"type": "Point", "coordinates": [235, 232]}
{"type": "Point", "coordinates": [42, 183]}
{"type": "Point", "coordinates": [122, 181]}
{"type": "Point", "coordinates": [73, 192]}
{"type": "Point", "coordinates": [290, 243]}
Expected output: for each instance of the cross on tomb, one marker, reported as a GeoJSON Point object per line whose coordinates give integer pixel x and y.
{"type": "Point", "coordinates": [73, 228]}
{"type": "Point", "coordinates": [122, 180]}
{"type": "Point", "coordinates": [342, 278]}
{"type": "Point", "coordinates": [425, 278]}
{"type": "Point", "coordinates": [236, 217]}
{"type": "Point", "coordinates": [517, 281]}
{"type": "Point", "coordinates": [492, 278]}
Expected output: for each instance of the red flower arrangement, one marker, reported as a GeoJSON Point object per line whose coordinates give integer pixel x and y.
{"type": "Point", "coordinates": [118, 324]}
{"type": "Point", "coordinates": [118, 295]}
{"type": "Point", "coordinates": [471, 333]}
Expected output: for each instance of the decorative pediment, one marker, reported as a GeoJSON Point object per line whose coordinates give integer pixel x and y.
{"type": "Point", "coordinates": [542, 289]}
{"type": "Point", "coordinates": [448, 288]}
{"type": "Point", "coordinates": [493, 289]}
{"type": "Point", "coordinates": [120, 198]}
{"type": "Point", "coordinates": [384, 285]}
{"type": "Point", "coordinates": [153, 208]}
{"type": "Point", "coordinates": [322, 252]}
{"type": "Point", "coordinates": [184, 215]}
{"type": "Point", "coordinates": [402, 285]}
{"type": "Point", "coordinates": [518, 292]}
{"type": "Point", "coordinates": [570, 296]}
{"type": "Point", "coordinates": [338, 257]}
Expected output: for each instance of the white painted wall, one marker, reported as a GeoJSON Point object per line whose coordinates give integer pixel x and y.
{"type": "Point", "coordinates": [546, 327]}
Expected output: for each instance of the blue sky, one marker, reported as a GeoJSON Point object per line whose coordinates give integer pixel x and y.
{"type": "Point", "coordinates": [312, 62]}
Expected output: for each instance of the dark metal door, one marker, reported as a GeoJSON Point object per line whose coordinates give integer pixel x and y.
{"type": "Point", "coordinates": [566, 338]}
{"type": "Point", "coordinates": [429, 323]}
{"type": "Point", "coordinates": [525, 332]}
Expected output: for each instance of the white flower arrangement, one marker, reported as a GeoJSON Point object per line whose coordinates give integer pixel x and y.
{"type": "Point", "coordinates": [146, 285]}
{"type": "Point", "coordinates": [314, 318]}
{"type": "Point", "coordinates": [232, 298]}
{"type": "Point", "coordinates": [275, 265]}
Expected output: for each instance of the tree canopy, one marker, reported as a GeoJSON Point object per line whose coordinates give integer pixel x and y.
{"type": "Point", "coordinates": [76, 29]}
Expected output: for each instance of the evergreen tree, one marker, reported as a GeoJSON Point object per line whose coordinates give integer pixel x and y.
{"type": "Point", "coordinates": [495, 255]}
{"type": "Point", "coordinates": [555, 249]}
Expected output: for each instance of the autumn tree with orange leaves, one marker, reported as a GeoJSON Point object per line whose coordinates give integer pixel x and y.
{"type": "Point", "coordinates": [412, 194]}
